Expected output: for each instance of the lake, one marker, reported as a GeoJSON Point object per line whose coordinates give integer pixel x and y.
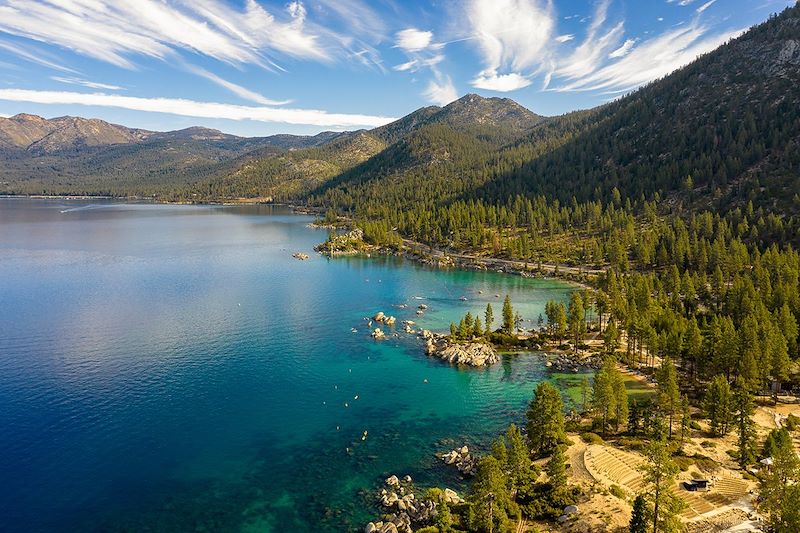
{"type": "Point", "coordinates": [173, 368]}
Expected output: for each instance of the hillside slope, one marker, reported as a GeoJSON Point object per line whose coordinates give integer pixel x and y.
{"type": "Point", "coordinates": [730, 122]}
{"type": "Point", "coordinates": [90, 156]}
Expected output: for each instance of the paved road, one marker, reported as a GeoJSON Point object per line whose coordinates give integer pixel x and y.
{"type": "Point", "coordinates": [495, 263]}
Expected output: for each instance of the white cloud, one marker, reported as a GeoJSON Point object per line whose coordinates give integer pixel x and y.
{"type": "Point", "coordinates": [413, 40]}
{"type": "Point", "coordinates": [192, 108]}
{"type": "Point", "coordinates": [501, 83]}
{"type": "Point", "coordinates": [705, 6]}
{"type": "Point", "coordinates": [441, 90]}
{"type": "Point", "coordinates": [415, 64]}
{"type": "Point", "coordinates": [565, 38]}
{"type": "Point", "coordinates": [34, 56]}
{"type": "Point", "coordinates": [512, 36]}
{"type": "Point", "coordinates": [87, 83]}
{"type": "Point", "coordinates": [595, 47]}
{"type": "Point", "coordinates": [423, 52]}
{"type": "Point", "coordinates": [238, 90]}
{"type": "Point", "coordinates": [117, 31]}
{"type": "Point", "coordinates": [623, 50]}
{"type": "Point", "coordinates": [652, 59]}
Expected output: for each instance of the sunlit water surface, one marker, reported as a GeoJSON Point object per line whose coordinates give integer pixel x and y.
{"type": "Point", "coordinates": [173, 368]}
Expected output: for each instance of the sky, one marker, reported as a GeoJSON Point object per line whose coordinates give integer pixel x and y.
{"type": "Point", "coordinates": [260, 67]}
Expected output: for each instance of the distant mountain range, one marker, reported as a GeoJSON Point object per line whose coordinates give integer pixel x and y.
{"type": "Point", "coordinates": [726, 128]}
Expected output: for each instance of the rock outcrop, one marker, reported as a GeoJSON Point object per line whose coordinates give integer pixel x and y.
{"type": "Point", "coordinates": [403, 509]}
{"type": "Point", "coordinates": [349, 243]}
{"type": "Point", "coordinates": [470, 354]}
{"type": "Point", "coordinates": [462, 459]}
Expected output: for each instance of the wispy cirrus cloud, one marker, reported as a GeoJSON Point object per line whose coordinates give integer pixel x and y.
{"type": "Point", "coordinates": [193, 108]}
{"type": "Point", "coordinates": [623, 50]}
{"type": "Point", "coordinates": [651, 59]}
{"type": "Point", "coordinates": [440, 90]}
{"type": "Point", "coordinates": [234, 88]}
{"type": "Point", "coordinates": [595, 47]}
{"type": "Point", "coordinates": [705, 6]}
{"type": "Point", "coordinates": [512, 37]}
{"type": "Point", "coordinates": [86, 83]}
{"type": "Point", "coordinates": [33, 55]}
{"type": "Point", "coordinates": [118, 32]}
{"type": "Point", "coordinates": [424, 52]}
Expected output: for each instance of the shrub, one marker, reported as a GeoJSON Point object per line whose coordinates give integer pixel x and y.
{"type": "Point", "coordinates": [617, 491]}
{"type": "Point", "coordinates": [591, 438]}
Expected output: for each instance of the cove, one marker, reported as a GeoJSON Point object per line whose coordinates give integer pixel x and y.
{"type": "Point", "coordinates": [173, 368]}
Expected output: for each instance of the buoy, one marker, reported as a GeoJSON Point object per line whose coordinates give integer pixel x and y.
{"type": "Point", "coordinates": [346, 405]}
{"type": "Point", "coordinates": [355, 397]}
{"type": "Point", "coordinates": [425, 380]}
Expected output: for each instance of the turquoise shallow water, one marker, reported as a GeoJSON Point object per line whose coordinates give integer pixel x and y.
{"type": "Point", "coordinates": [173, 368]}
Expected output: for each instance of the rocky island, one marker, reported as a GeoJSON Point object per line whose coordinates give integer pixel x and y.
{"type": "Point", "coordinates": [350, 243]}
{"type": "Point", "coordinates": [471, 353]}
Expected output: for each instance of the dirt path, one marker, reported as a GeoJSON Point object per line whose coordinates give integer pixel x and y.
{"type": "Point", "coordinates": [575, 456]}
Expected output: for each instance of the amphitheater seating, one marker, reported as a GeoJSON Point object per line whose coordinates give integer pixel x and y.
{"type": "Point", "coordinates": [622, 468]}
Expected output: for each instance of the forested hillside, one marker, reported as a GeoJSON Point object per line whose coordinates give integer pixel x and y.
{"type": "Point", "coordinates": [73, 155]}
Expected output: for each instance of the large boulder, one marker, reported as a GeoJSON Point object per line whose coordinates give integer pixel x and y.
{"type": "Point", "coordinates": [471, 354]}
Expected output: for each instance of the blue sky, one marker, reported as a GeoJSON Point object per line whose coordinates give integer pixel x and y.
{"type": "Point", "coordinates": [258, 67]}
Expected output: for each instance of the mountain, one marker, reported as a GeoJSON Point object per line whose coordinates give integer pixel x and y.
{"type": "Point", "coordinates": [730, 121]}
{"type": "Point", "coordinates": [722, 132]}
{"type": "Point", "coordinates": [470, 127]}
{"type": "Point", "coordinates": [288, 173]}
{"type": "Point", "coordinates": [90, 156]}
{"type": "Point", "coordinates": [42, 136]}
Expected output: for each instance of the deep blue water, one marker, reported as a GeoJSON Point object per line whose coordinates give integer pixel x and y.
{"type": "Point", "coordinates": [173, 368]}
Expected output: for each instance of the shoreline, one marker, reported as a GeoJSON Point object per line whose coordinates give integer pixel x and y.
{"type": "Point", "coordinates": [412, 250]}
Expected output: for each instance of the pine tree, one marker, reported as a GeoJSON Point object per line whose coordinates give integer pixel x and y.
{"type": "Point", "coordinates": [489, 318]}
{"type": "Point", "coordinates": [519, 462]}
{"type": "Point", "coordinates": [659, 474]}
{"type": "Point", "coordinates": [604, 397]}
{"type": "Point", "coordinates": [621, 401]}
{"type": "Point", "coordinates": [575, 318]}
{"type": "Point", "coordinates": [640, 516]}
{"type": "Point", "coordinates": [556, 470]}
{"type": "Point", "coordinates": [669, 396]}
{"type": "Point", "coordinates": [611, 337]}
{"type": "Point", "coordinates": [743, 409]}
{"type": "Point", "coordinates": [718, 405]}
{"type": "Point", "coordinates": [477, 327]}
{"type": "Point", "coordinates": [508, 316]}
{"type": "Point", "coordinates": [685, 418]}
{"type": "Point", "coordinates": [545, 419]}
{"type": "Point", "coordinates": [779, 490]}
{"type": "Point", "coordinates": [489, 497]}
